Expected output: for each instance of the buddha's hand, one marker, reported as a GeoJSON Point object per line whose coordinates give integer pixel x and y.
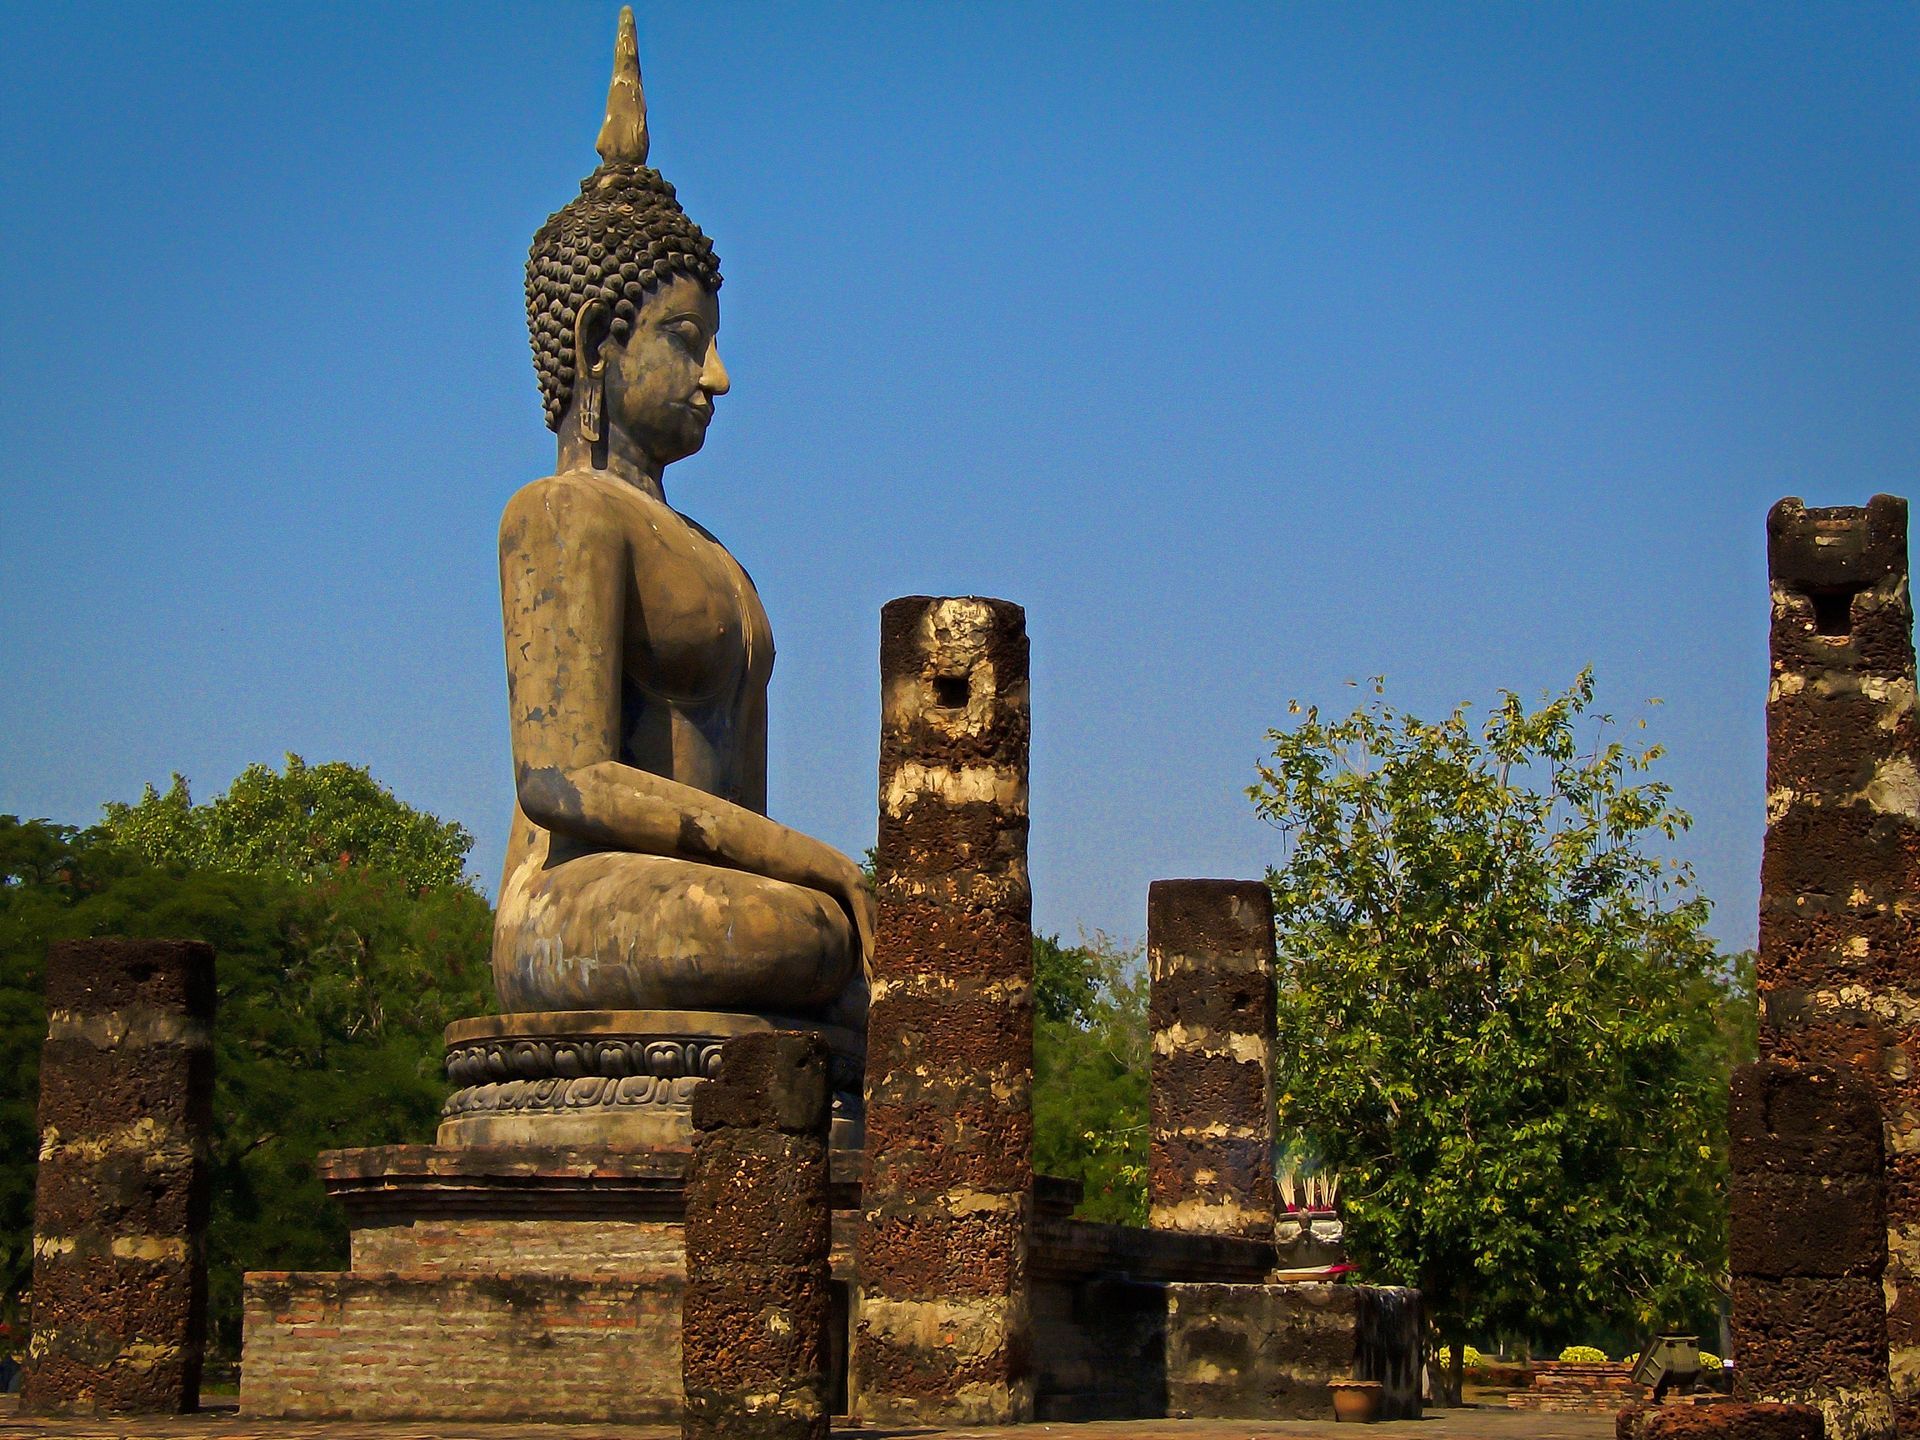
{"type": "Point", "coordinates": [847, 883]}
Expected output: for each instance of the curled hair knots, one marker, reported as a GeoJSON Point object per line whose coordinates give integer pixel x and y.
{"type": "Point", "coordinates": [618, 239]}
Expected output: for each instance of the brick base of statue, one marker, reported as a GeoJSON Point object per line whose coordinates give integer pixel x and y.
{"type": "Point", "coordinates": [1724, 1421]}
{"type": "Point", "coordinates": [755, 1315]}
{"type": "Point", "coordinates": [120, 1209]}
{"type": "Point", "coordinates": [547, 1285]}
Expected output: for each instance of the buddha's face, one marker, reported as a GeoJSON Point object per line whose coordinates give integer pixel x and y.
{"type": "Point", "coordinates": [662, 381]}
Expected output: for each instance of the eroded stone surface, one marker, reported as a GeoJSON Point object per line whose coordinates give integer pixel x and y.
{"type": "Point", "coordinates": [1269, 1350]}
{"type": "Point", "coordinates": [1211, 1013]}
{"type": "Point", "coordinates": [1808, 1227]}
{"type": "Point", "coordinates": [942, 1333]}
{"type": "Point", "coordinates": [1840, 881]}
{"type": "Point", "coordinates": [119, 1258]}
{"type": "Point", "coordinates": [758, 1305]}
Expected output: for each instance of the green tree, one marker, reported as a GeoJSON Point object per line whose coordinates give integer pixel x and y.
{"type": "Point", "coordinates": [298, 822]}
{"type": "Point", "coordinates": [334, 985]}
{"type": "Point", "coordinates": [1090, 1073]}
{"type": "Point", "coordinates": [1500, 1019]}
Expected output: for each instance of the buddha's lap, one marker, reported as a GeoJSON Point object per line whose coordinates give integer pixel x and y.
{"type": "Point", "coordinates": [616, 930]}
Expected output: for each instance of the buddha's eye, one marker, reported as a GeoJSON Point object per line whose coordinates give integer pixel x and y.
{"type": "Point", "coordinates": [689, 334]}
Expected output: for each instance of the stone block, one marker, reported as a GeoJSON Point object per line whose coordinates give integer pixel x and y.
{"type": "Point", "coordinates": [126, 1098]}
{"type": "Point", "coordinates": [1840, 878]}
{"type": "Point", "coordinates": [1211, 1016]}
{"type": "Point", "coordinates": [755, 1345]}
{"type": "Point", "coordinates": [1268, 1351]}
{"type": "Point", "coordinates": [1808, 1244]}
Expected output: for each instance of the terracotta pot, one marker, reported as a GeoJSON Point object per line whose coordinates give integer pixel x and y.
{"type": "Point", "coordinates": [1357, 1401]}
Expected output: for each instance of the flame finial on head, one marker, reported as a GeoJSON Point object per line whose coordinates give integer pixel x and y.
{"type": "Point", "coordinates": [623, 136]}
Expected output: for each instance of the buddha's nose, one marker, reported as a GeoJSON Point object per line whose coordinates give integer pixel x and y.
{"type": "Point", "coordinates": [713, 375]}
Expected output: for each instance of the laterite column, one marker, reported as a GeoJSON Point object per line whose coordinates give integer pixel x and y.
{"type": "Point", "coordinates": [942, 1329]}
{"type": "Point", "coordinates": [1808, 1232]}
{"type": "Point", "coordinates": [120, 1208]}
{"type": "Point", "coordinates": [1211, 1011]}
{"type": "Point", "coordinates": [1840, 882]}
{"type": "Point", "coordinates": [754, 1321]}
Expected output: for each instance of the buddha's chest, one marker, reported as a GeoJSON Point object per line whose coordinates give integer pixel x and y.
{"type": "Point", "coordinates": [696, 634]}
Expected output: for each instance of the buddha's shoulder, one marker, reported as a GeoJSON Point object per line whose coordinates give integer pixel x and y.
{"type": "Point", "coordinates": [572, 501]}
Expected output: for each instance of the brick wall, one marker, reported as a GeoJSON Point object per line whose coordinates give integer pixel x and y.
{"type": "Point", "coordinates": [469, 1347]}
{"type": "Point", "coordinates": [602, 1248]}
{"type": "Point", "coordinates": [1571, 1387]}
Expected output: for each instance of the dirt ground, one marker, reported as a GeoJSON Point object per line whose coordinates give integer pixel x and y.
{"type": "Point", "coordinates": [1472, 1423]}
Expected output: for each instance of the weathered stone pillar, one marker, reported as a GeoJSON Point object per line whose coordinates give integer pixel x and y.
{"type": "Point", "coordinates": [1840, 882]}
{"type": "Point", "coordinates": [1807, 1208]}
{"type": "Point", "coordinates": [1211, 1010]}
{"type": "Point", "coordinates": [754, 1321]}
{"type": "Point", "coordinates": [120, 1208]}
{"type": "Point", "coordinates": [942, 1328]}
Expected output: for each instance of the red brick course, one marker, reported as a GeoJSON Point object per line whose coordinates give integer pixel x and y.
{"type": "Point", "coordinates": [460, 1347]}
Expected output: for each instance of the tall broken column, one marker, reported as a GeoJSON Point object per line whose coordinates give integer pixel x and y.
{"type": "Point", "coordinates": [1211, 1012]}
{"type": "Point", "coordinates": [1808, 1231]}
{"type": "Point", "coordinates": [1840, 882]}
{"type": "Point", "coordinates": [754, 1321]}
{"type": "Point", "coordinates": [120, 1204]}
{"type": "Point", "coordinates": [942, 1328]}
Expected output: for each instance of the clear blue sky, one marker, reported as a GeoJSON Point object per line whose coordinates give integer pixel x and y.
{"type": "Point", "coordinates": [1253, 349]}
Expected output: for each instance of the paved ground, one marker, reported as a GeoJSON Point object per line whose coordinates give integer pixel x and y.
{"type": "Point", "coordinates": [1469, 1424]}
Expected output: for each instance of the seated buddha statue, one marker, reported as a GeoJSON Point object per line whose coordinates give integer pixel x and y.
{"type": "Point", "coordinates": [643, 871]}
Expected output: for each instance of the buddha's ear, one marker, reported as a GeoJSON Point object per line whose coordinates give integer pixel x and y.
{"type": "Point", "coordinates": [590, 332]}
{"type": "Point", "coordinates": [589, 369]}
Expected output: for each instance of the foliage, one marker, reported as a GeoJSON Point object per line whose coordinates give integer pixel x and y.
{"type": "Point", "coordinates": [1584, 1355]}
{"type": "Point", "coordinates": [1710, 1361]}
{"type": "Point", "coordinates": [1090, 1073]}
{"type": "Point", "coordinates": [309, 819]}
{"type": "Point", "coordinates": [1500, 1020]}
{"type": "Point", "coordinates": [332, 993]}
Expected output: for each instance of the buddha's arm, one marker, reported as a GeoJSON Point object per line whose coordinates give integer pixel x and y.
{"type": "Point", "coordinates": [563, 586]}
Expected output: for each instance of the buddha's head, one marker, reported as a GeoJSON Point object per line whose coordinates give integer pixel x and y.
{"type": "Point", "coordinates": [623, 295]}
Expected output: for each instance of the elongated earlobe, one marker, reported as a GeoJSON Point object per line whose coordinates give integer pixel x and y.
{"type": "Point", "coordinates": [590, 374]}
{"type": "Point", "coordinates": [593, 389]}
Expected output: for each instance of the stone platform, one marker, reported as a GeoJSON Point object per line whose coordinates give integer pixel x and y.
{"type": "Point", "coordinates": [514, 1283]}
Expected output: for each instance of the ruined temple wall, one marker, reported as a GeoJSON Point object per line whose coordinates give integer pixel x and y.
{"type": "Point", "coordinates": [1840, 884]}
{"type": "Point", "coordinates": [942, 1324]}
